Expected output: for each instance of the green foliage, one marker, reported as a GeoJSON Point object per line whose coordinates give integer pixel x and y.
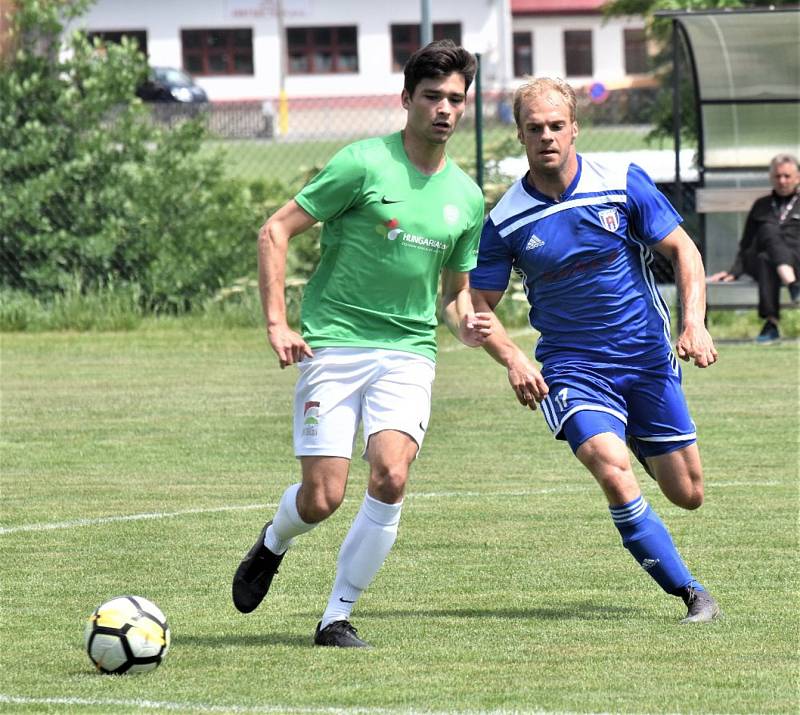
{"type": "Point", "coordinates": [107, 308]}
{"type": "Point", "coordinates": [94, 190]}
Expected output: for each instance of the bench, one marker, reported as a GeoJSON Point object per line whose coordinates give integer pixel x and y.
{"type": "Point", "coordinates": [728, 200]}
{"type": "Point", "coordinates": [741, 294]}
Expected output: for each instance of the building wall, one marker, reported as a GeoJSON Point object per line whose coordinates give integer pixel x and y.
{"type": "Point", "coordinates": [485, 28]}
{"type": "Point", "coordinates": [608, 45]}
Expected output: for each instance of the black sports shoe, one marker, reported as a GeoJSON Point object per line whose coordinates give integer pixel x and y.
{"type": "Point", "coordinates": [769, 333]}
{"type": "Point", "coordinates": [339, 634]}
{"type": "Point", "coordinates": [633, 447]}
{"type": "Point", "coordinates": [702, 606]}
{"type": "Point", "coordinates": [254, 575]}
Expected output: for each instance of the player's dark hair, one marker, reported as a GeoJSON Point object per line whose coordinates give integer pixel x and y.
{"type": "Point", "coordinates": [438, 59]}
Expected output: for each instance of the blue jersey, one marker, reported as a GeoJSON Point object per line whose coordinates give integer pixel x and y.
{"type": "Point", "coordinates": [585, 264]}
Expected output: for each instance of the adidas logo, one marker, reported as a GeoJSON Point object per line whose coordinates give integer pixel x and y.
{"type": "Point", "coordinates": [647, 564]}
{"type": "Point", "coordinates": [534, 242]}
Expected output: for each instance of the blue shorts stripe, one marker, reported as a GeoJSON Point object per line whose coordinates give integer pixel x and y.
{"type": "Point", "coordinates": [670, 438]}
{"type": "Point", "coordinates": [548, 413]}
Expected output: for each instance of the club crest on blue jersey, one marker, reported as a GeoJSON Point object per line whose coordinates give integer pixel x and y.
{"type": "Point", "coordinates": [609, 218]}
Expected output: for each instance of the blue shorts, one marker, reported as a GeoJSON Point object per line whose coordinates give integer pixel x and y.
{"type": "Point", "coordinates": [646, 404]}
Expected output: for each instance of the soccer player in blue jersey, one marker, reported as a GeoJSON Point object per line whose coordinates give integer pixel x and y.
{"type": "Point", "coordinates": [581, 236]}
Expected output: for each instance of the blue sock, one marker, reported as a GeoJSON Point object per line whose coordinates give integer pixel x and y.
{"type": "Point", "coordinates": [648, 540]}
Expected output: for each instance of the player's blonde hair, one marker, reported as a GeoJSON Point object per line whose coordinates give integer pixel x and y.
{"type": "Point", "coordinates": [536, 87]}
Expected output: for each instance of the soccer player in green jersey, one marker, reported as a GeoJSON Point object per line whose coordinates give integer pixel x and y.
{"type": "Point", "coordinates": [397, 214]}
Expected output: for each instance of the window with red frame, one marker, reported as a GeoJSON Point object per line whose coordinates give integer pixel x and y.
{"type": "Point", "coordinates": [105, 36]}
{"type": "Point", "coordinates": [523, 54]}
{"type": "Point", "coordinates": [636, 59]}
{"type": "Point", "coordinates": [218, 52]}
{"type": "Point", "coordinates": [406, 40]}
{"type": "Point", "coordinates": [578, 53]}
{"type": "Point", "coordinates": [322, 50]}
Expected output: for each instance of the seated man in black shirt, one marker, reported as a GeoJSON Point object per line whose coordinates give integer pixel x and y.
{"type": "Point", "coordinates": [770, 247]}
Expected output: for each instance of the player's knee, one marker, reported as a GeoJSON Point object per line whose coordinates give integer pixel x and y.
{"type": "Point", "coordinates": [694, 496]}
{"type": "Point", "coordinates": [388, 481]}
{"type": "Point", "coordinates": [316, 505]}
{"type": "Point", "coordinates": [617, 481]}
{"type": "Point", "coordinates": [684, 489]}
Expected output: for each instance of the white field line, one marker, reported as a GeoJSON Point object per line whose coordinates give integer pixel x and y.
{"type": "Point", "coordinates": [244, 507]}
{"type": "Point", "coordinates": [209, 708]}
{"type": "Point", "coordinates": [74, 523]}
{"type": "Point", "coordinates": [714, 485]}
{"type": "Point", "coordinates": [126, 517]}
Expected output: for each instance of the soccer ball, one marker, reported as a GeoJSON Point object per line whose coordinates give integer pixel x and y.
{"type": "Point", "coordinates": [127, 634]}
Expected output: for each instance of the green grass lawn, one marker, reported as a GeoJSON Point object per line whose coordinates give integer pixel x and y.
{"type": "Point", "coordinates": [146, 463]}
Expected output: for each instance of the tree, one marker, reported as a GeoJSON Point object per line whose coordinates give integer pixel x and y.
{"type": "Point", "coordinates": [94, 192]}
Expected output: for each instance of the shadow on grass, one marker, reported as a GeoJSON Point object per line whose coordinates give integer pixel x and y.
{"type": "Point", "coordinates": [225, 640]}
{"type": "Point", "coordinates": [577, 610]}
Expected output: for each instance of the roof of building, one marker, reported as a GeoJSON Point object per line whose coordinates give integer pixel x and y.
{"type": "Point", "coordinates": [555, 7]}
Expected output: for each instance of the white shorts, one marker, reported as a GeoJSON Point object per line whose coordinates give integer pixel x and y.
{"type": "Point", "coordinates": [338, 387]}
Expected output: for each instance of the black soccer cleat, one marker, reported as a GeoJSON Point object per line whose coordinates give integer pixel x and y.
{"type": "Point", "coordinates": [254, 575]}
{"type": "Point", "coordinates": [769, 333]}
{"type": "Point", "coordinates": [339, 634]}
{"type": "Point", "coordinates": [702, 606]}
{"type": "Point", "coordinates": [633, 447]}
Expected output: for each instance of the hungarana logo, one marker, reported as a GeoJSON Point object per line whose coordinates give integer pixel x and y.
{"type": "Point", "coordinates": [391, 230]}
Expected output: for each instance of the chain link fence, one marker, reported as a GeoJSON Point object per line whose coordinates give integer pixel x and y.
{"type": "Point", "coordinates": [258, 142]}
{"type": "Point", "coordinates": [265, 152]}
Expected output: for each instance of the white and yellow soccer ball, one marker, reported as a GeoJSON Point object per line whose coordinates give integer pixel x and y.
{"type": "Point", "coordinates": [127, 634]}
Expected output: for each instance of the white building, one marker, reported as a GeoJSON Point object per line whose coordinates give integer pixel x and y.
{"type": "Point", "coordinates": [352, 48]}
{"type": "Point", "coordinates": [572, 39]}
{"type": "Point", "coordinates": [243, 50]}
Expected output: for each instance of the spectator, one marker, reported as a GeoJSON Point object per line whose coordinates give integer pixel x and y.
{"type": "Point", "coordinates": [770, 247]}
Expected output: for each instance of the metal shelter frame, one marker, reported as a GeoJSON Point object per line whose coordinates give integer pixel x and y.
{"type": "Point", "coordinates": [745, 69]}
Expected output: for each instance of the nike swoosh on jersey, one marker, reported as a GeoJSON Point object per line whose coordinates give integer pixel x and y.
{"type": "Point", "coordinates": [384, 200]}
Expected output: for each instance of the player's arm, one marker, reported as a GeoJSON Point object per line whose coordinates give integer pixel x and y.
{"type": "Point", "coordinates": [523, 376]}
{"type": "Point", "coordinates": [457, 312]}
{"type": "Point", "coordinates": [273, 245]}
{"type": "Point", "coordinates": [694, 341]}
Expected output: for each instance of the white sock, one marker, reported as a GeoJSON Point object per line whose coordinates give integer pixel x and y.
{"type": "Point", "coordinates": [286, 524]}
{"type": "Point", "coordinates": [363, 552]}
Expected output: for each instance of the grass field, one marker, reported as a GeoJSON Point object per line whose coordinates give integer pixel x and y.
{"type": "Point", "coordinates": [146, 463]}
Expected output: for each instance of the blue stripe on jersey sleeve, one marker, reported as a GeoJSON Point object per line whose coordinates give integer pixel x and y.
{"type": "Point", "coordinates": [652, 213]}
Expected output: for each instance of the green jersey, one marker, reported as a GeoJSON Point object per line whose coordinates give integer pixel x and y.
{"type": "Point", "coordinates": [388, 232]}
